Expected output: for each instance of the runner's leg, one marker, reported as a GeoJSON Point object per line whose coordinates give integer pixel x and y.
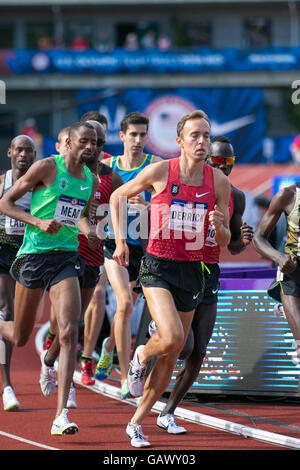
{"type": "Point", "coordinates": [166, 344]}
{"type": "Point", "coordinates": [119, 280]}
{"type": "Point", "coordinates": [65, 295]}
{"type": "Point", "coordinates": [202, 327]}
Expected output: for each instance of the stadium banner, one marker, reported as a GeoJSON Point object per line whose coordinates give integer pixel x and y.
{"type": "Point", "coordinates": [238, 113]}
{"type": "Point", "coordinates": [196, 60]}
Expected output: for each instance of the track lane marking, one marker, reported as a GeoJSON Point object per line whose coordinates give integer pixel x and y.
{"type": "Point", "coordinates": [26, 441]}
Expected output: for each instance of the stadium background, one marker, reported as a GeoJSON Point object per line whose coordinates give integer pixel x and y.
{"type": "Point", "coordinates": [237, 60]}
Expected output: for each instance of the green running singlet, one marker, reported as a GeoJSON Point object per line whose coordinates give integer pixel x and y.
{"type": "Point", "coordinates": [64, 201]}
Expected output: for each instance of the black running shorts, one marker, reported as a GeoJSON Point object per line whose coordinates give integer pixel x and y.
{"type": "Point", "coordinates": [184, 279]}
{"type": "Point", "coordinates": [211, 284]}
{"type": "Point", "coordinates": [90, 276]}
{"type": "Point", "coordinates": [44, 270]}
{"type": "Point", "coordinates": [289, 285]}
{"type": "Point", "coordinates": [7, 257]}
{"type": "Point", "coordinates": [135, 257]}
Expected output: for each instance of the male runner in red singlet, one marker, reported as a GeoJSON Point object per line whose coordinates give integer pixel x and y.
{"type": "Point", "coordinates": [186, 195]}
{"type": "Point", "coordinates": [221, 156]}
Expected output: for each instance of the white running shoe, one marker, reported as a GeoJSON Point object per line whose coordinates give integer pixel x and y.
{"type": "Point", "coordinates": [71, 403]}
{"type": "Point", "coordinates": [61, 425]}
{"type": "Point", "coordinates": [136, 435]}
{"type": "Point", "coordinates": [10, 401]}
{"type": "Point", "coordinates": [136, 374]}
{"type": "Point", "coordinates": [152, 328]}
{"type": "Point", "coordinates": [47, 377]}
{"type": "Point", "coordinates": [168, 423]}
{"type": "Point", "coordinates": [278, 310]}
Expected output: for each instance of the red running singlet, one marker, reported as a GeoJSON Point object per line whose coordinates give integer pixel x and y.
{"type": "Point", "coordinates": [102, 195]}
{"type": "Point", "coordinates": [179, 216]}
{"type": "Point", "coordinates": [211, 249]}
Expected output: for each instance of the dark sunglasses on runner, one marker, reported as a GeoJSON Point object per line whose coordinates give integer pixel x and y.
{"type": "Point", "coordinates": [229, 161]}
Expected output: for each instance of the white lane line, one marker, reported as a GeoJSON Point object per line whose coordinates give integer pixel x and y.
{"type": "Point", "coordinates": [199, 418]}
{"type": "Point", "coordinates": [26, 441]}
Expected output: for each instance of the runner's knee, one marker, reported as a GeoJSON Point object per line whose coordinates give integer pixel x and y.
{"type": "Point", "coordinates": [124, 305]}
{"type": "Point", "coordinates": [68, 334]}
{"type": "Point", "coordinates": [172, 341]}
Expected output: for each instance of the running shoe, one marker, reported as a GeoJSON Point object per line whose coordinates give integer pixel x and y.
{"type": "Point", "coordinates": [152, 328]}
{"type": "Point", "coordinates": [136, 435]}
{"type": "Point", "coordinates": [136, 374]}
{"type": "Point", "coordinates": [47, 376]}
{"type": "Point", "coordinates": [10, 401]}
{"type": "Point", "coordinates": [48, 343]}
{"type": "Point", "coordinates": [168, 423]}
{"type": "Point", "coordinates": [87, 377]}
{"type": "Point", "coordinates": [278, 310]}
{"type": "Point", "coordinates": [61, 425]}
{"type": "Point", "coordinates": [49, 339]}
{"type": "Point", "coordinates": [125, 390]}
{"type": "Point", "coordinates": [71, 403]}
{"type": "Point", "coordinates": [105, 363]}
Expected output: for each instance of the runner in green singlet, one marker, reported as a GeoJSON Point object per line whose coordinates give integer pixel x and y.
{"type": "Point", "coordinates": [48, 258]}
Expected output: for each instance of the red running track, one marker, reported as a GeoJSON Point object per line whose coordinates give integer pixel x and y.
{"type": "Point", "coordinates": [102, 420]}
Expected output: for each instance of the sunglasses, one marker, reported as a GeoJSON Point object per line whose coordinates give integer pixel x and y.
{"type": "Point", "coordinates": [229, 161]}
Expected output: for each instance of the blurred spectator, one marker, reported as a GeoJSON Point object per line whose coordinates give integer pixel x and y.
{"type": "Point", "coordinates": [45, 43]}
{"type": "Point", "coordinates": [295, 149]}
{"type": "Point", "coordinates": [59, 42]}
{"type": "Point", "coordinates": [80, 43]}
{"type": "Point", "coordinates": [103, 44]}
{"type": "Point", "coordinates": [30, 129]}
{"type": "Point", "coordinates": [131, 42]}
{"type": "Point", "coordinates": [164, 42]}
{"type": "Point", "coordinates": [148, 41]}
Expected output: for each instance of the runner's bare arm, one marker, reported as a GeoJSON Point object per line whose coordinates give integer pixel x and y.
{"type": "Point", "coordinates": [241, 232]}
{"type": "Point", "coordinates": [2, 178]}
{"type": "Point", "coordinates": [219, 217]}
{"type": "Point", "coordinates": [83, 223]}
{"type": "Point", "coordinates": [279, 204]}
{"type": "Point", "coordinates": [116, 181]}
{"type": "Point", "coordinates": [42, 172]}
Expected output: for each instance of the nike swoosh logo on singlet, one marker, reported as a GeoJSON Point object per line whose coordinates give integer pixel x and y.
{"type": "Point", "coordinates": [203, 194]}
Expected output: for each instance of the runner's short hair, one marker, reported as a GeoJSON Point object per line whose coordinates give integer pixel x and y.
{"type": "Point", "coordinates": [197, 114]}
{"type": "Point", "coordinates": [77, 125]}
{"type": "Point", "coordinates": [134, 118]}
{"type": "Point", "coordinates": [64, 131]}
{"type": "Point", "coordinates": [94, 116]}
{"type": "Point", "coordinates": [221, 138]}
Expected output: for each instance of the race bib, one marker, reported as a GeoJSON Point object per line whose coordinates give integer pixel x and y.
{"type": "Point", "coordinates": [211, 237]}
{"type": "Point", "coordinates": [187, 216]}
{"type": "Point", "coordinates": [68, 210]}
{"type": "Point", "coordinates": [14, 227]}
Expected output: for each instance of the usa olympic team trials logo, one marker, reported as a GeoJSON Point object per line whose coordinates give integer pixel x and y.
{"type": "Point", "coordinates": [164, 113]}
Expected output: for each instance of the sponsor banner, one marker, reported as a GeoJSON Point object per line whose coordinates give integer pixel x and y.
{"type": "Point", "coordinates": [195, 60]}
{"type": "Point", "coordinates": [238, 113]}
{"type": "Point", "coordinates": [282, 181]}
